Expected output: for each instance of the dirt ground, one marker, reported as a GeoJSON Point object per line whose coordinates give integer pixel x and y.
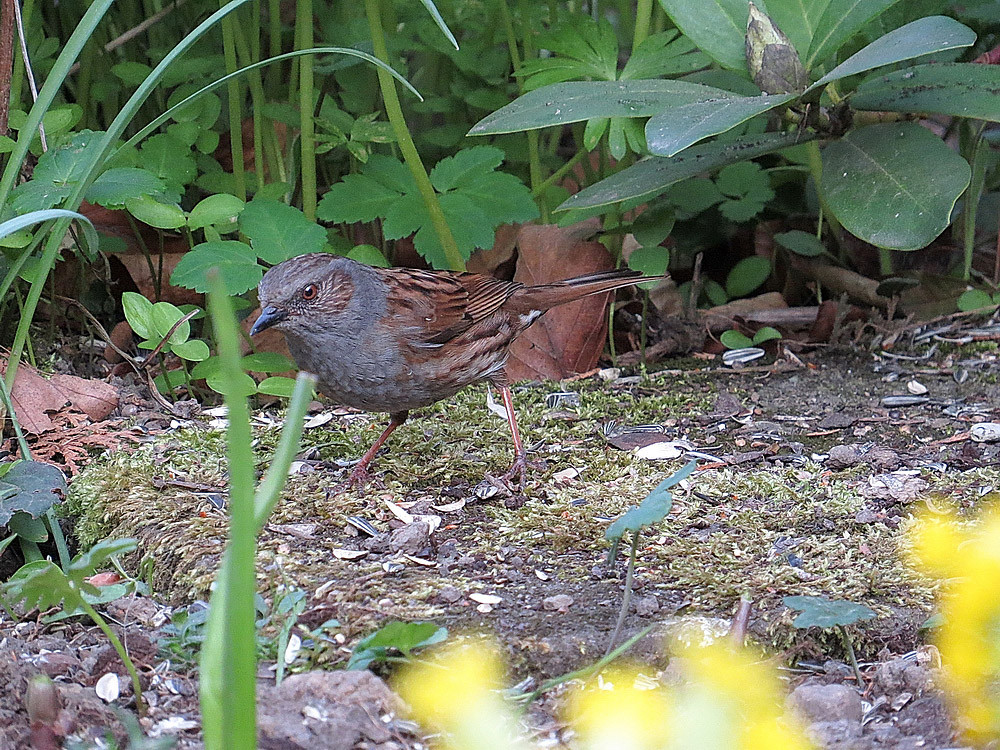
{"type": "Point", "coordinates": [809, 477]}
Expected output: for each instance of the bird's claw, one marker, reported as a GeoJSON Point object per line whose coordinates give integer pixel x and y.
{"type": "Point", "coordinates": [520, 470]}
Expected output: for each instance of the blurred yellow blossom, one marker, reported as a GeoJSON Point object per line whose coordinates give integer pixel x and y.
{"type": "Point", "coordinates": [969, 639]}
{"type": "Point", "coordinates": [613, 713]}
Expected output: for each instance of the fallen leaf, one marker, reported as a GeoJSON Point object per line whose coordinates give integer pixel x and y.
{"type": "Point", "coordinates": [570, 338]}
{"type": "Point", "coordinates": [34, 397]}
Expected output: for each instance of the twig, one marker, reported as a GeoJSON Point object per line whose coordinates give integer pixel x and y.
{"type": "Point", "coordinates": [627, 598]}
{"type": "Point", "coordinates": [27, 68]}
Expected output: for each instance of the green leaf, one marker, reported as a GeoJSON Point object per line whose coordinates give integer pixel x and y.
{"type": "Point", "coordinates": [650, 261]}
{"type": "Point", "coordinates": [404, 637]}
{"type": "Point", "coordinates": [974, 299]}
{"type": "Point", "coordinates": [149, 210]}
{"type": "Point", "coordinates": [115, 186]}
{"type": "Point", "coordinates": [215, 209]}
{"type": "Point", "coordinates": [502, 197]}
{"type": "Point", "coordinates": [369, 255]}
{"type": "Point", "coordinates": [652, 177]}
{"type": "Point", "coordinates": [164, 316]}
{"type": "Point", "coordinates": [357, 197]}
{"type": "Point", "coordinates": [652, 227]}
{"type": "Point", "coordinates": [957, 89]}
{"type": "Point", "coordinates": [131, 73]}
{"type": "Point", "coordinates": [58, 170]}
{"type": "Point", "coordinates": [168, 159]}
{"type": "Point", "coordinates": [43, 585]}
{"type": "Point", "coordinates": [277, 385]}
{"type": "Point", "coordinates": [747, 275]}
{"type": "Point", "coordinates": [194, 350]}
{"type": "Point", "coordinates": [235, 261]}
{"type": "Point", "coordinates": [651, 510]}
{"type": "Point", "coordinates": [278, 232]}
{"type": "Point", "coordinates": [820, 612]}
{"type": "Point", "coordinates": [28, 528]}
{"type": "Point", "coordinates": [138, 313]}
{"type": "Point", "coordinates": [767, 333]}
{"type": "Point", "coordinates": [581, 48]}
{"type": "Point", "coordinates": [893, 185]}
{"type": "Point", "coordinates": [664, 54]}
{"type": "Point", "coordinates": [733, 339]}
{"type": "Point", "coordinates": [678, 127]}
{"type": "Point", "coordinates": [466, 165]}
{"type": "Point", "coordinates": [801, 243]}
{"type": "Point", "coordinates": [267, 362]}
{"type": "Point", "coordinates": [841, 20]}
{"type": "Point", "coordinates": [921, 37]}
{"type": "Point", "coordinates": [718, 27]}
{"type": "Point", "coordinates": [30, 487]}
{"type": "Point", "coordinates": [563, 103]}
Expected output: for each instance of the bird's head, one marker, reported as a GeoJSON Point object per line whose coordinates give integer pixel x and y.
{"type": "Point", "coordinates": [301, 292]}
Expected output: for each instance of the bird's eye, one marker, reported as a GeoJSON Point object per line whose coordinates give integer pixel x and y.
{"type": "Point", "coordinates": [310, 292]}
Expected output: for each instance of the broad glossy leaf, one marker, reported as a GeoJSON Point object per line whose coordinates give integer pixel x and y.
{"type": "Point", "coordinates": [820, 612]}
{"type": "Point", "coordinates": [277, 385]}
{"type": "Point", "coordinates": [841, 20]}
{"type": "Point", "coordinates": [797, 20]}
{"type": "Point", "coordinates": [164, 316]}
{"type": "Point", "coordinates": [575, 101]}
{"type": "Point", "coordinates": [893, 185]}
{"type": "Point", "coordinates": [30, 487]}
{"type": "Point", "coordinates": [267, 362]}
{"type": "Point", "coordinates": [194, 350]}
{"type": "Point", "coordinates": [922, 37]}
{"type": "Point", "coordinates": [678, 127]}
{"type": "Point", "coordinates": [957, 89]}
{"type": "Point", "coordinates": [718, 27]}
{"type": "Point", "coordinates": [138, 313]}
{"type": "Point", "coordinates": [653, 176]}
{"type": "Point", "coordinates": [155, 213]}
{"type": "Point", "coordinates": [747, 275]}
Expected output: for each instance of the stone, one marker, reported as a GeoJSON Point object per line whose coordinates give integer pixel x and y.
{"type": "Point", "coordinates": [646, 605]}
{"type": "Point", "coordinates": [558, 603]}
{"type": "Point", "coordinates": [833, 733]}
{"type": "Point", "coordinates": [826, 703]}
{"type": "Point", "coordinates": [411, 538]}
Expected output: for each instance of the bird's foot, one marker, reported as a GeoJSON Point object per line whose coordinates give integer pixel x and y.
{"type": "Point", "coordinates": [358, 479]}
{"type": "Point", "coordinates": [520, 470]}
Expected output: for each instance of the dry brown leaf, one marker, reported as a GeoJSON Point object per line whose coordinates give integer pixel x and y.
{"type": "Point", "coordinates": [570, 338]}
{"type": "Point", "coordinates": [69, 444]}
{"type": "Point", "coordinates": [488, 260]}
{"type": "Point", "coordinates": [34, 397]}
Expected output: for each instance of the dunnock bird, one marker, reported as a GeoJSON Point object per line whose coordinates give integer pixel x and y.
{"type": "Point", "coordinates": [396, 339]}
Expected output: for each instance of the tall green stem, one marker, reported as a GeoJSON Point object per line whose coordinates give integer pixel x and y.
{"type": "Point", "coordinates": [307, 138]}
{"type": "Point", "coordinates": [643, 16]}
{"type": "Point", "coordinates": [970, 205]}
{"type": "Point", "coordinates": [405, 141]}
{"type": "Point", "coordinates": [233, 87]}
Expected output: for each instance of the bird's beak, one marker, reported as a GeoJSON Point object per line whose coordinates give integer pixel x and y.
{"type": "Point", "coordinates": [269, 316]}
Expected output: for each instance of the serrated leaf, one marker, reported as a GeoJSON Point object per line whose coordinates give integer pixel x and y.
{"type": "Point", "coordinates": [502, 197]}
{"type": "Point", "coordinates": [278, 232]}
{"type": "Point", "coordinates": [138, 313]}
{"type": "Point", "coordinates": [236, 263]}
{"type": "Point", "coordinates": [468, 164]}
{"type": "Point", "coordinates": [168, 159]}
{"type": "Point", "coordinates": [30, 487]}
{"type": "Point", "coordinates": [820, 612]}
{"type": "Point", "coordinates": [215, 209]}
{"type": "Point", "coordinates": [113, 187]}
{"type": "Point", "coordinates": [357, 197]}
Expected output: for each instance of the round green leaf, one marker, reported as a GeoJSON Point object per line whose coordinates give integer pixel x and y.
{"type": "Point", "coordinates": [194, 350]}
{"type": "Point", "coordinates": [368, 254]}
{"type": "Point", "coordinates": [245, 385]}
{"type": "Point", "coordinates": [801, 243]}
{"type": "Point", "coordinates": [650, 261]}
{"type": "Point", "coordinates": [216, 209]}
{"type": "Point", "coordinates": [734, 340]}
{"type": "Point", "coordinates": [267, 362]}
{"type": "Point", "coordinates": [139, 314]}
{"type": "Point", "coordinates": [277, 386]}
{"type": "Point", "coordinates": [766, 334]}
{"type": "Point", "coordinates": [747, 275]}
{"type": "Point", "coordinates": [974, 299]}
{"type": "Point", "coordinates": [150, 211]}
{"type": "Point", "coordinates": [893, 185]}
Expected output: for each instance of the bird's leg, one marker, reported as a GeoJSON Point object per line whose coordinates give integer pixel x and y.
{"type": "Point", "coordinates": [520, 467]}
{"type": "Point", "coordinates": [359, 476]}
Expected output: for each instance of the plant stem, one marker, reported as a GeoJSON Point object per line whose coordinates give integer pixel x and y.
{"type": "Point", "coordinates": [119, 648]}
{"type": "Point", "coordinates": [970, 205]}
{"type": "Point", "coordinates": [405, 141]}
{"type": "Point", "coordinates": [850, 655]}
{"type": "Point", "coordinates": [561, 172]}
{"type": "Point", "coordinates": [307, 135]}
{"type": "Point", "coordinates": [233, 87]}
{"type": "Point", "coordinates": [643, 15]}
{"type": "Point", "coordinates": [627, 598]}
{"type": "Point", "coordinates": [816, 170]}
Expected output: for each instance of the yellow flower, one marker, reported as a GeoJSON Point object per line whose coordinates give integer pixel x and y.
{"type": "Point", "coordinates": [611, 713]}
{"type": "Point", "coordinates": [969, 639]}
